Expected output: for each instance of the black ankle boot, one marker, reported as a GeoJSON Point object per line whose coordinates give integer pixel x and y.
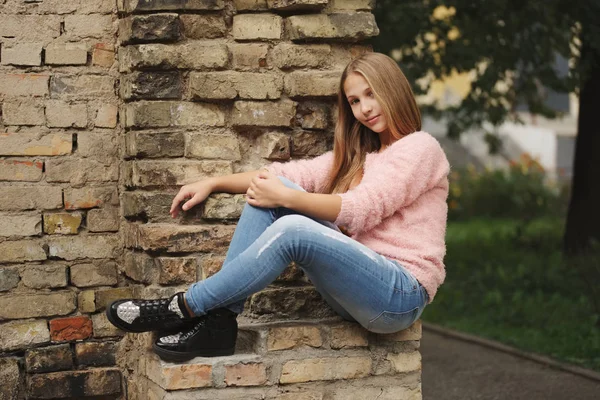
{"type": "Point", "coordinates": [165, 315]}
{"type": "Point", "coordinates": [213, 334]}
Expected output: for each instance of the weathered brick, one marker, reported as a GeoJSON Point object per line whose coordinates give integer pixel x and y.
{"type": "Point", "coordinates": [63, 115]}
{"type": "Point", "coordinates": [246, 374]}
{"type": "Point", "coordinates": [140, 267]}
{"type": "Point", "coordinates": [150, 28]}
{"type": "Point", "coordinates": [62, 223]}
{"type": "Point", "coordinates": [76, 247]}
{"type": "Point", "coordinates": [72, 328]}
{"type": "Point", "coordinates": [36, 305]}
{"type": "Point", "coordinates": [249, 56]}
{"type": "Point", "coordinates": [10, 378]}
{"type": "Point", "coordinates": [98, 274]}
{"type": "Point", "coordinates": [106, 116]}
{"type": "Point", "coordinates": [346, 26]}
{"type": "Point", "coordinates": [297, 5]}
{"type": "Point", "coordinates": [176, 270]}
{"type": "Point", "coordinates": [95, 354]}
{"type": "Point", "coordinates": [9, 278]}
{"type": "Point", "coordinates": [20, 225]}
{"type": "Point", "coordinates": [413, 332]}
{"type": "Point", "coordinates": [103, 55]}
{"type": "Point", "coordinates": [68, 87]}
{"type": "Point", "coordinates": [25, 54]}
{"type": "Point", "coordinates": [104, 297]}
{"type": "Point", "coordinates": [286, 55]}
{"type": "Point", "coordinates": [16, 335]}
{"type": "Point", "coordinates": [251, 5]}
{"type": "Point", "coordinates": [348, 335]}
{"type": "Point", "coordinates": [23, 84]}
{"type": "Point", "coordinates": [38, 197]}
{"type": "Point", "coordinates": [21, 250]}
{"type": "Point", "coordinates": [23, 112]}
{"type": "Point", "coordinates": [86, 303]}
{"type": "Point", "coordinates": [146, 173]}
{"type": "Point", "coordinates": [158, 114]}
{"type": "Point", "coordinates": [46, 27]}
{"type": "Point", "coordinates": [206, 146]}
{"type": "Point", "coordinates": [80, 171]}
{"type": "Point", "coordinates": [350, 5]}
{"type": "Point", "coordinates": [44, 276]}
{"type": "Point", "coordinates": [49, 359]}
{"type": "Point", "coordinates": [21, 170]}
{"type": "Point", "coordinates": [103, 220]}
{"type": "Point", "coordinates": [312, 84]}
{"type": "Point", "coordinates": [313, 115]}
{"type": "Point", "coordinates": [155, 144]}
{"type": "Point", "coordinates": [61, 7]}
{"type": "Point", "coordinates": [152, 85]}
{"type": "Point", "coordinates": [34, 144]}
{"type": "Point", "coordinates": [289, 303]}
{"type": "Point", "coordinates": [274, 146]}
{"type": "Point", "coordinates": [162, 5]}
{"type": "Point", "coordinates": [88, 26]}
{"type": "Point", "coordinates": [177, 56]}
{"type": "Point", "coordinates": [405, 362]}
{"type": "Point", "coordinates": [257, 26]}
{"type": "Point", "coordinates": [103, 328]}
{"type": "Point", "coordinates": [174, 238]}
{"type": "Point", "coordinates": [223, 206]}
{"type": "Point", "coordinates": [319, 369]}
{"type": "Point", "coordinates": [230, 85]}
{"type": "Point", "coordinates": [66, 54]}
{"type": "Point", "coordinates": [211, 265]}
{"type": "Point", "coordinates": [182, 376]}
{"type": "Point", "coordinates": [75, 384]}
{"type": "Point", "coordinates": [101, 146]}
{"type": "Point", "coordinates": [282, 338]}
{"type": "Point", "coordinates": [399, 391]}
{"type": "Point", "coordinates": [203, 26]}
{"type": "Point", "coordinates": [253, 113]}
{"type": "Point", "coordinates": [90, 197]}
{"type": "Point", "coordinates": [310, 144]}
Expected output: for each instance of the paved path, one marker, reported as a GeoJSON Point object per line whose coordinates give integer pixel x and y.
{"type": "Point", "coordinates": [457, 370]}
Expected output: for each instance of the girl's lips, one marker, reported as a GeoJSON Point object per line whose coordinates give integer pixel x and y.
{"type": "Point", "coordinates": [373, 120]}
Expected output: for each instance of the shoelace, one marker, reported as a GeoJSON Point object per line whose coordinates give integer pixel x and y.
{"type": "Point", "coordinates": [196, 328]}
{"type": "Point", "coordinates": [155, 310]}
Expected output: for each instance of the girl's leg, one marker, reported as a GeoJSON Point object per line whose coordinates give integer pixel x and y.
{"type": "Point", "coordinates": [376, 292]}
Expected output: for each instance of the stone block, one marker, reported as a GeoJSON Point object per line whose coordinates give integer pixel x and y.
{"type": "Point", "coordinates": [340, 26]}
{"type": "Point", "coordinates": [251, 5]}
{"type": "Point", "coordinates": [246, 374]}
{"type": "Point", "coordinates": [348, 335]}
{"type": "Point", "coordinates": [103, 220]}
{"type": "Point", "coordinates": [231, 85]}
{"type": "Point", "coordinates": [24, 84]}
{"type": "Point", "coordinates": [93, 87]}
{"type": "Point", "coordinates": [289, 303]}
{"type": "Point", "coordinates": [176, 270]}
{"type": "Point", "coordinates": [274, 146]}
{"type": "Point", "coordinates": [103, 328]}
{"type": "Point", "coordinates": [99, 146]}
{"type": "Point", "coordinates": [249, 56]}
{"type": "Point", "coordinates": [287, 55]}
{"type": "Point", "coordinates": [211, 265]}
{"type": "Point", "coordinates": [62, 223]}
{"type": "Point", "coordinates": [310, 144]}
{"type": "Point", "coordinates": [168, 5]}
{"type": "Point", "coordinates": [297, 5]}
{"type": "Point", "coordinates": [179, 376]}
{"type": "Point", "coordinates": [147, 173]}
{"type": "Point", "coordinates": [155, 144]}
{"type": "Point", "coordinates": [350, 5]}
{"type": "Point", "coordinates": [23, 54]}
{"type": "Point", "coordinates": [283, 338]}
{"type": "Point", "coordinates": [151, 85]}
{"type": "Point", "coordinates": [312, 84]}
{"type": "Point", "coordinates": [140, 267]}
{"type": "Point", "coordinates": [15, 335]}
{"type": "Point", "coordinates": [37, 305]}
{"type": "Point", "coordinates": [398, 391]}
{"type": "Point", "coordinates": [21, 250]}
{"type": "Point", "coordinates": [64, 115]}
{"type": "Point", "coordinates": [405, 362]}
{"type": "Point", "coordinates": [90, 197]}
{"type": "Point", "coordinates": [203, 26]}
{"type": "Point", "coordinates": [44, 276]}
{"type": "Point", "coordinates": [88, 26]}
{"type": "Point", "coordinates": [413, 332]}
{"type": "Point", "coordinates": [66, 54]}
{"type": "Point", "coordinates": [10, 378]}
{"type": "Point", "coordinates": [34, 144]}
{"type": "Point", "coordinates": [47, 27]}
{"type": "Point", "coordinates": [9, 278]}
{"type": "Point", "coordinates": [23, 112]}
{"type": "Point", "coordinates": [95, 354]}
{"type": "Point", "coordinates": [106, 116]}
{"type": "Point", "coordinates": [174, 56]}
{"type": "Point", "coordinates": [269, 114]}
{"type": "Point", "coordinates": [40, 197]}
{"type": "Point", "coordinates": [103, 55]}
{"type": "Point", "coordinates": [224, 206]}
{"type": "Point", "coordinates": [150, 28]}
{"type": "Point", "coordinates": [21, 170]}
{"type": "Point", "coordinates": [257, 27]}
{"type": "Point", "coordinates": [206, 146]}
{"type": "Point", "coordinates": [325, 369]}
{"type": "Point", "coordinates": [80, 171]}
{"type": "Point", "coordinates": [76, 247]}
{"type": "Point", "coordinates": [75, 384]}
{"type": "Point", "coordinates": [86, 302]}
{"type": "Point", "coordinates": [104, 297]}
{"type": "Point", "coordinates": [72, 328]}
{"type": "Point", "coordinates": [20, 225]}
{"type": "Point", "coordinates": [103, 273]}
{"type": "Point", "coordinates": [61, 7]}
{"type": "Point", "coordinates": [313, 115]}
{"type": "Point", "coordinates": [159, 114]}
{"type": "Point", "coordinates": [49, 359]}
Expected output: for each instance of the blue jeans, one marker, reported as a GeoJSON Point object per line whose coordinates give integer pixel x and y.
{"type": "Point", "coordinates": [358, 283]}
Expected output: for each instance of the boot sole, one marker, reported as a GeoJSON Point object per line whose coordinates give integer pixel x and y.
{"type": "Point", "coordinates": [177, 356]}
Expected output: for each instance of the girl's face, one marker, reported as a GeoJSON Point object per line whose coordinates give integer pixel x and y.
{"type": "Point", "coordinates": [364, 105]}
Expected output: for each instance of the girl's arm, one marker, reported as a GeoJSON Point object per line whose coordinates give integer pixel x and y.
{"type": "Point", "coordinates": [316, 205]}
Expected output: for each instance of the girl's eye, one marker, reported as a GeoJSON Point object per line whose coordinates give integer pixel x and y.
{"type": "Point", "coordinates": [353, 101]}
{"type": "Point", "coordinates": [371, 94]}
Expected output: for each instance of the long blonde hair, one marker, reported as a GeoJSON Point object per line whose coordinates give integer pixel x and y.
{"type": "Point", "coordinates": [353, 140]}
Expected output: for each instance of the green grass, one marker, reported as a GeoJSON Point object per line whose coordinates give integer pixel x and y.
{"type": "Point", "coordinates": [506, 281]}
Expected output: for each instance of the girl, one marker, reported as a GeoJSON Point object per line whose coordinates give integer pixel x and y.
{"type": "Point", "coordinates": [366, 223]}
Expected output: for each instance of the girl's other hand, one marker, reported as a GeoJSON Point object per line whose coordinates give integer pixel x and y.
{"type": "Point", "coordinates": [266, 190]}
{"type": "Point", "coordinates": [197, 192]}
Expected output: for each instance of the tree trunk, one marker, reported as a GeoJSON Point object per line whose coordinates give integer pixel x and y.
{"type": "Point", "coordinates": [583, 218]}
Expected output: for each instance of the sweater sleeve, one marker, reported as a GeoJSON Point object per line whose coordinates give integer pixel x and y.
{"type": "Point", "coordinates": [412, 166]}
{"type": "Point", "coordinates": [309, 174]}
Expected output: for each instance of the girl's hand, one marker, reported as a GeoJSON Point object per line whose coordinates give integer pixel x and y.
{"type": "Point", "coordinates": [197, 192]}
{"type": "Point", "coordinates": [266, 190]}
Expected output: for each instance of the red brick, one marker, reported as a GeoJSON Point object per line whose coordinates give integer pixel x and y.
{"type": "Point", "coordinates": [72, 328]}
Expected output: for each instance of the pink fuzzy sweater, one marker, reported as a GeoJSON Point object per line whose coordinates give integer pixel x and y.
{"type": "Point", "coordinates": [399, 207]}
